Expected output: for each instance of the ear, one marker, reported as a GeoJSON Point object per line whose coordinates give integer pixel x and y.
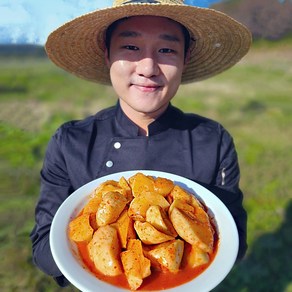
{"type": "Point", "coordinates": [106, 58]}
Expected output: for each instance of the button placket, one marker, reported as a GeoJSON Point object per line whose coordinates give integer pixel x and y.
{"type": "Point", "coordinates": [110, 163]}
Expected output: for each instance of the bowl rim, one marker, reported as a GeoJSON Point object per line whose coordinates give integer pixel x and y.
{"type": "Point", "coordinates": [66, 256]}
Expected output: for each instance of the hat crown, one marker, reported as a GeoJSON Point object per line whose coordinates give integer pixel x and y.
{"type": "Point", "coordinates": [122, 2]}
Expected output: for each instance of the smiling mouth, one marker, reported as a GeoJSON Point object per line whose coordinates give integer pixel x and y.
{"type": "Point", "coordinates": [147, 88]}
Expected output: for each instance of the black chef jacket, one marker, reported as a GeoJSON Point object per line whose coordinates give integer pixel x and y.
{"type": "Point", "coordinates": [108, 142]}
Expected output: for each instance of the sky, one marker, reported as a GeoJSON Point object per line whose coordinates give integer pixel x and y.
{"type": "Point", "coordinates": [31, 21]}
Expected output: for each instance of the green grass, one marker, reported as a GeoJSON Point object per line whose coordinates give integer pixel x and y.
{"type": "Point", "coordinates": [252, 100]}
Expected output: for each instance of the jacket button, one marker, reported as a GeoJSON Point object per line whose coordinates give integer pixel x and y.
{"type": "Point", "coordinates": [109, 163]}
{"type": "Point", "coordinates": [117, 145]}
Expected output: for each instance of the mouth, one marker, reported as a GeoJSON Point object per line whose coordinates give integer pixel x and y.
{"type": "Point", "coordinates": [147, 87]}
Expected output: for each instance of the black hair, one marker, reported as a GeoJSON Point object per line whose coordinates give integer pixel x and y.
{"type": "Point", "coordinates": [111, 28]}
{"type": "Point", "coordinates": [114, 25]}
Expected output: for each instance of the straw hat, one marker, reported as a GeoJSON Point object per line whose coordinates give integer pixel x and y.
{"type": "Point", "coordinates": [220, 41]}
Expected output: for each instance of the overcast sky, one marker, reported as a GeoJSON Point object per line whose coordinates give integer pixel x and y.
{"type": "Point", "coordinates": [30, 21]}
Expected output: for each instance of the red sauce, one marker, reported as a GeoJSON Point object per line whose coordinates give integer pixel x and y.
{"type": "Point", "coordinates": [157, 280]}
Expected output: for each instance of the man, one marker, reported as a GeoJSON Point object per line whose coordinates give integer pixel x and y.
{"type": "Point", "coordinates": [145, 49]}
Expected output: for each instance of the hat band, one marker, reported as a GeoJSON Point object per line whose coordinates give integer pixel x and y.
{"type": "Point", "coordinates": [118, 2]}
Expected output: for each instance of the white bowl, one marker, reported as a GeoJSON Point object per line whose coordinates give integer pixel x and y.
{"type": "Point", "coordinates": [67, 258]}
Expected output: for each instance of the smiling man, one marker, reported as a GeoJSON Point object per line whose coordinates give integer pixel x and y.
{"type": "Point", "coordinates": [145, 50]}
{"type": "Point", "coordinates": [146, 60]}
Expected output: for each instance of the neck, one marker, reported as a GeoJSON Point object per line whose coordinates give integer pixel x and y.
{"type": "Point", "coordinates": [141, 119]}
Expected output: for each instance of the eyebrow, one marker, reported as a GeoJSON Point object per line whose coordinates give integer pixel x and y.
{"type": "Point", "coordinates": [169, 37]}
{"type": "Point", "coordinates": [129, 33]}
{"type": "Point", "coordinates": [166, 37]}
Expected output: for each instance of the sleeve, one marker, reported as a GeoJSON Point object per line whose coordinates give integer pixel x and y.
{"type": "Point", "coordinates": [55, 188]}
{"type": "Point", "coordinates": [227, 188]}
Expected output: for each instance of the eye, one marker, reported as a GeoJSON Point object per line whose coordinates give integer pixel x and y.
{"type": "Point", "coordinates": [166, 51]}
{"type": "Point", "coordinates": [131, 48]}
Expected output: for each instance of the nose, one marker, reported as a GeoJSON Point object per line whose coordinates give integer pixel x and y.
{"type": "Point", "coordinates": [147, 67]}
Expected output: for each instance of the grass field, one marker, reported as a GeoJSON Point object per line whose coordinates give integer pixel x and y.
{"type": "Point", "coordinates": [253, 101]}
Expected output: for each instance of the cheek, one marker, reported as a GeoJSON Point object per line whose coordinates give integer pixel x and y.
{"type": "Point", "coordinates": [120, 76]}
{"type": "Point", "coordinates": [173, 75]}
{"type": "Point", "coordinates": [120, 69]}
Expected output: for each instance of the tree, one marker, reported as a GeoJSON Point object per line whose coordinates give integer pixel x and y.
{"type": "Point", "coordinates": [268, 19]}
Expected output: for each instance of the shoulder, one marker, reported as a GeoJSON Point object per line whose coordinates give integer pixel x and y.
{"type": "Point", "coordinates": [85, 126]}
{"type": "Point", "coordinates": [103, 115]}
{"type": "Point", "coordinates": [201, 127]}
{"type": "Point", "coordinates": [194, 121]}
{"type": "Point", "coordinates": [88, 122]}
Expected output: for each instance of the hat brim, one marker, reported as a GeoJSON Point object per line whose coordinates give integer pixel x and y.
{"type": "Point", "coordinates": [220, 41]}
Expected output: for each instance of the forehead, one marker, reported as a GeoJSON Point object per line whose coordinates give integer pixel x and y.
{"type": "Point", "coordinates": [149, 25]}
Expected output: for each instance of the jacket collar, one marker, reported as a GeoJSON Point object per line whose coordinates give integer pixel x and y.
{"type": "Point", "coordinates": [161, 124]}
